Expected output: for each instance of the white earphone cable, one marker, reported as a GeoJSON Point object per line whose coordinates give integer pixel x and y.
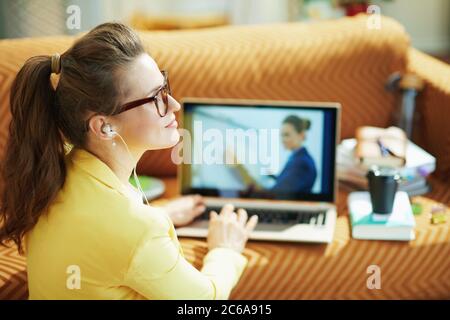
{"type": "Point", "coordinates": [138, 184]}
{"type": "Point", "coordinates": [136, 180]}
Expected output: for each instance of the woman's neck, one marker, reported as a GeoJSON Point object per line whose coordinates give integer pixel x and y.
{"type": "Point", "coordinates": [298, 147]}
{"type": "Point", "coordinates": [119, 160]}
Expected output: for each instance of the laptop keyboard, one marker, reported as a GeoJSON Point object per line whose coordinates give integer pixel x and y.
{"type": "Point", "coordinates": [277, 216]}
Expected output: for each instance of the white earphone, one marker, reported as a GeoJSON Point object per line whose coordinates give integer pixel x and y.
{"type": "Point", "coordinates": [108, 130]}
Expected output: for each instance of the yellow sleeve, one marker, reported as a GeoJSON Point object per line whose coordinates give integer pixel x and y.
{"type": "Point", "coordinates": [223, 267]}
{"type": "Point", "coordinates": [158, 270]}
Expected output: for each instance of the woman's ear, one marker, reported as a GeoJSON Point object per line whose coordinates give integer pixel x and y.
{"type": "Point", "coordinates": [97, 125]}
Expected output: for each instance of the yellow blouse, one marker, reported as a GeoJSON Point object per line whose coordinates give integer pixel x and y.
{"type": "Point", "coordinates": [99, 242]}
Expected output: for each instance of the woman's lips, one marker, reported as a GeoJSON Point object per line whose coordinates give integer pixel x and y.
{"type": "Point", "coordinates": [172, 124]}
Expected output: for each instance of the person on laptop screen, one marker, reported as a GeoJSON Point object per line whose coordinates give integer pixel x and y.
{"type": "Point", "coordinates": [299, 173]}
{"type": "Point", "coordinates": [255, 150]}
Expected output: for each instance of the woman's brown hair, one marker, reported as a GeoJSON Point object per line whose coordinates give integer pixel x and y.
{"type": "Point", "coordinates": [299, 124]}
{"type": "Point", "coordinates": [44, 119]}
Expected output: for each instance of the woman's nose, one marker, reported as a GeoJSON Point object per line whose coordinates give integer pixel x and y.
{"type": "Point", "coordinates": [174, 106]}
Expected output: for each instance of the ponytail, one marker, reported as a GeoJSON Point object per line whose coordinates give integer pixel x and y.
{"type": "Point", "coordinates": [33, 170]}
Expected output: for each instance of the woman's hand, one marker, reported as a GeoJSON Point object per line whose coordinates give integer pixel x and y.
{"type": "Point", "coordinates": [184, 210]}
{"type": "Point", "coordinates": [230, 230]}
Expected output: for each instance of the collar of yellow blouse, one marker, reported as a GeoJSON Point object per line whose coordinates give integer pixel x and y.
{"type": "Point", "coordinates": [96, 168]}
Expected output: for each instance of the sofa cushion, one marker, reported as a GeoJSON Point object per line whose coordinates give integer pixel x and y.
{"type": "Point", "coordinates": [13, 275]}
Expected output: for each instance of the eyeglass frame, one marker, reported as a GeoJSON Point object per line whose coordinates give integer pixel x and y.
{"type": "Point", "coordinates": [154, 98]}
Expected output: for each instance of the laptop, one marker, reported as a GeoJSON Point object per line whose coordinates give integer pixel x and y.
{"type": "Point", "coordinates": [276, 159]}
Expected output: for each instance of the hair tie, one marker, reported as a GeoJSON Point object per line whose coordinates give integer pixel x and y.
{"type": "Point", "coordinates": [56, 63]}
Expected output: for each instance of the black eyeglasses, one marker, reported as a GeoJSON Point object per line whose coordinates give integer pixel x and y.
{"type": "Point", "coordinates": [161, 99]}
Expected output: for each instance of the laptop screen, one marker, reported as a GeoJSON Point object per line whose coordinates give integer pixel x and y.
{"type": "Point", "coordinates": [258, 150]}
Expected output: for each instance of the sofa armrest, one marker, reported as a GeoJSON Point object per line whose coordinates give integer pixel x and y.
{"type": "Point", "coordinates": [433, 108]}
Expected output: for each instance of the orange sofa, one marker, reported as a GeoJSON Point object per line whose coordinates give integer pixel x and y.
{"type": "Point", "coordinates": [341, 61]}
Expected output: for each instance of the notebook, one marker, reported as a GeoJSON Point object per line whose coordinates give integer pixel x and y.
{"type": "Point", "coordinates": [399, 225]}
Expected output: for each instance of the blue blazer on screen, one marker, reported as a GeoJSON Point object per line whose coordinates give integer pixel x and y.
{"type": "Point", "coordinates": [298, 175]}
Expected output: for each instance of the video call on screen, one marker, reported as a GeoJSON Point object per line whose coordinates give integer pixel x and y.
{"type": "Point", "coordinates": [260, 151]}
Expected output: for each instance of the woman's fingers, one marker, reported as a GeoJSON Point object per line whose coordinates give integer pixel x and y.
{"type": "Point", "coordinates": [227, 211]}
{"type": "Point", "coordinates": [213, 216]}
{"type": "Point", "coordinates": [242, 216]}
{"type": "Point", "coordinates": [198, 199]}
{"type": "Point", "coordinates": [251, 224]}
{"type": "Point", "coordinates": [230, 229]}
{"type": "Point", "coordinates": [230, 215]}
{"type": "Point", "coordinates": [233, 217]}
{"type": "Point", "coordinates": [199, 210]}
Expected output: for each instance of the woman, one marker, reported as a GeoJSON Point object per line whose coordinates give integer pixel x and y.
{"type": "Point", "coordinates": [85, 231]}
{"type": "Point", "coordinates": [299, 173]}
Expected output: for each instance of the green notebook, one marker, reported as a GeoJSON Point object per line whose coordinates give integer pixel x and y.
{"type": "Point", "coordinates": [151, 186]}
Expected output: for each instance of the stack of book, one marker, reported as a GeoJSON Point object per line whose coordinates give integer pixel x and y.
{"type": "Point", "coordinates": [398, 225]}
{"type": "Point", "coordinates": [351, 171]}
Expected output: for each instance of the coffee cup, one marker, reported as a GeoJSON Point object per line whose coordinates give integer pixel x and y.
{"type": "Point", "coordinates": [383, 185]}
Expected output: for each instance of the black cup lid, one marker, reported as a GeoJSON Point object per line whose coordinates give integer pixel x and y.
{"type": "Point", "coordinates": [386, 172]}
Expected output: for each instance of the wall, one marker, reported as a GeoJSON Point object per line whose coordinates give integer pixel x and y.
{"type": "Point", "coordinates": [427, 22]}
